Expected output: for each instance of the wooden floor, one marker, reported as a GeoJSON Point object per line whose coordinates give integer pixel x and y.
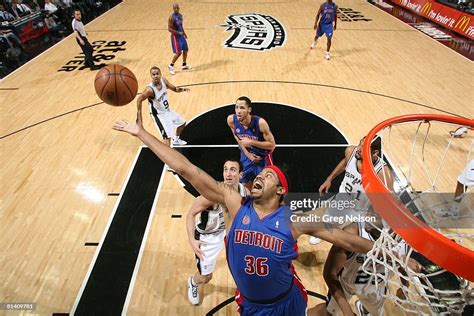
{"type": "Point", "coordinates": [55, 175]}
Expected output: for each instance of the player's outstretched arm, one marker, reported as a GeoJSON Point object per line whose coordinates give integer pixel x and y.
{"type": "Point", "coordinates": [170, 86]}
{"type": "Point", "coordinates": [200, 204]}
{"type": "Point", "coordinates": [333, 265]}
{"type": "Point", "coordinates": [335, 236]}
{"type": "Point", "coordinates": [212, 190]}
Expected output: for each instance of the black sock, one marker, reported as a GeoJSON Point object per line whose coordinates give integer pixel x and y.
{"type": "Point", "coordinates": [172, 64]}
{"type": "Point", "coordinates": [184, 63]}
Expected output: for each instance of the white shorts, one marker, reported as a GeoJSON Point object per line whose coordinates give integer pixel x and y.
{"type": "Point", "coordinates": [211, 246]}
{"type": "Point", "coordinates": [373, 301]}
{"type": "Point", "coordinates": [467, 176]}
{"type": "Point", "coordinates": [166, 122]}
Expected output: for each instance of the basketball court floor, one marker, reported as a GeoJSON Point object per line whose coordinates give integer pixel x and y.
{"type": "Point", "coordinates": [90, 218]}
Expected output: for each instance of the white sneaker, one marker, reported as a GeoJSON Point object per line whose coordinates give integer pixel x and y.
{"type": "Point", "coordinates": [328, 55]}
{"type": "Point", "coordinates": [314, 240]}
{"type": "Point", "coordinates": [171, 69]}
{"type": "Point", "coordinates": [193, 294]}
{"type": "Point", "coordinates": [461, 132]}
{"type": "Point", "coordinates": [179, 142]}
{"type": "Point", "coordinates": [360, 309]}
{"type": "Point", "coordinates": [186, 67]}
{"type": "Point", "coordinates": [313, 46]}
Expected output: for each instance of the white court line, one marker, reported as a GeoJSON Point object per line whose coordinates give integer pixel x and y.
{"type": "Point", "coordinates": [142, 246]}
{"type": "Point", "coordinates": [91, 266]}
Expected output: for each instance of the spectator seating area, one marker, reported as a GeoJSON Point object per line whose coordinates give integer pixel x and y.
{"type": "Point", "coordinates": [462, 5]}
{"type": "Point", "coordinates": [28, 27]}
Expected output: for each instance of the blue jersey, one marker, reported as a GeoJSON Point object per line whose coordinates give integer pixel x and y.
{"type": "Point", "coordinates": [252, 132]}
{"type": "Point", "coordinates": [177, 22]}
{"type": "Point", "coordinates": [260, 251]}
{"type": "Point", "coordinates": [328, 13]}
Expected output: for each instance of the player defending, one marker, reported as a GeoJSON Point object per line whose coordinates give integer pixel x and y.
{"type": "Point", "coordinates": [345, 277]}
{"type": "Point", "coordinates": [328, 13]}
{"type": "Point", "coordinates": [178, 39]}
{"type": "Point", "coordinates": [206, 236]}
{"type": "Point", "coordinates": [261, 242]}
{"type": "Point", "coordinates": [351, 165]}
{"type": "Point", "coordinates": [256, 141]}
{"type": "Point", "coordinates": [165, 119]}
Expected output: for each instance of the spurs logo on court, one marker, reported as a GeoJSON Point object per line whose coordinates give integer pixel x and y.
{"type": "Point", "coordinates": [103, 51]}
{"type": "Point", "coordinates": [254, 31]}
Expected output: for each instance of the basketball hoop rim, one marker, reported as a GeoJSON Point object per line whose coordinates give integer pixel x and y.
{"type": "Point", "coordinates": [433, 245]}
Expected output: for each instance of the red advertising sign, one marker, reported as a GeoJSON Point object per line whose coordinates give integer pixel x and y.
{"type": "Point", "coordinates": [458, 21]}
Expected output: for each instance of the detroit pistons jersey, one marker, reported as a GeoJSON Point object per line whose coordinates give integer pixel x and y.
{"type": "Point", "coordinates": [251, 132]}
{"type": "Point", "coordinates": [260, 252]}
{"type": "Point", "coordinates": [352, 182]}
{"type": "Point", "coordinates": [328, 13]}
{"type": "Point", "coordinates": [212, 221]}
{"type": "Point", "coordinates": [160, 100]}
{"type": "Point", "coordinates": [177, 22]}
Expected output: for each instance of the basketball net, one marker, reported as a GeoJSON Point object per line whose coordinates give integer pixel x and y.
{"type": "Point", "coordinates": [422, 219]}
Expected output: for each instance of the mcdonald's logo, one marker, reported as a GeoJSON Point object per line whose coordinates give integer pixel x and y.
{"type": "Point", "coordinates": [426, 8]}
{"type": "Point", "coordinates": [463, 23]}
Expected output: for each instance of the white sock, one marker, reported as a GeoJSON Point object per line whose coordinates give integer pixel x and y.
{"type": "Point", "coordinates": [192, 282]}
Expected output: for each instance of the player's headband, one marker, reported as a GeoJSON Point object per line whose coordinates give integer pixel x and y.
{"type": "Point", "coordinates": [281, 176]}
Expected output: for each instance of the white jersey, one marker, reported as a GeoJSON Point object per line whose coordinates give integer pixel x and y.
{"type": "Point", "coordinates": [352, 182]}
{"type": "Point", "coordinates": [160, 101]}
{"type": "Point", "coordinates": [355, 281]}
{"type": "Point", "coordinates": [212, 221]}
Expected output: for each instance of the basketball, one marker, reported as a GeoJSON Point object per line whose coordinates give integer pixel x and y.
{"type": "Point", "coordinates": [116, 85]}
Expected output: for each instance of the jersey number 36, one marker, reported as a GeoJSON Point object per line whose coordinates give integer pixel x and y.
{"type": "Point", "coordinates": [256, 265]}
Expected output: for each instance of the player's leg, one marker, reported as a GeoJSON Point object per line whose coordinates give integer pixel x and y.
{"type": "Point", "coordinates": [161, 124]}
{"type": "Point", "coordinates": [176, 51]}
{"type": "Point", "coordinates": [329, 32]}
{"type": "Point", "coordinates": [328, 48]}
{"type": "Point", "coordinates": [179, 123]}
{"type": "Point", "coordinates": [211, 246]}
{"type": "Point", "coordinates": [319, 33]}
{"type": "Point", "coordinates": [247, 174]}
{"type": "Point", "coordinates": [184, 49]}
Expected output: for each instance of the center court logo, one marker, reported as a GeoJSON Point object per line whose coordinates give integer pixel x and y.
{"type": "Point", "coordinates": [254, 31]}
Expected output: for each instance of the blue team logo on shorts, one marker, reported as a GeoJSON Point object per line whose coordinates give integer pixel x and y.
{"type": "Point", "coordinates": [254, 31]}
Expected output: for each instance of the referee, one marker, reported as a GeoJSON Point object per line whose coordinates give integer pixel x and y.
{"type": "Point", "coordinates": [81, 39]}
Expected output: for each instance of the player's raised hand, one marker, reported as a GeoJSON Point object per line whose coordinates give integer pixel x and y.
{"type": "Point", "coordinates": [126, 126]}
{"type": "Point", "coordinates": [196, 245]}
{"type": "Point", "coordinates": [324, 188]}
